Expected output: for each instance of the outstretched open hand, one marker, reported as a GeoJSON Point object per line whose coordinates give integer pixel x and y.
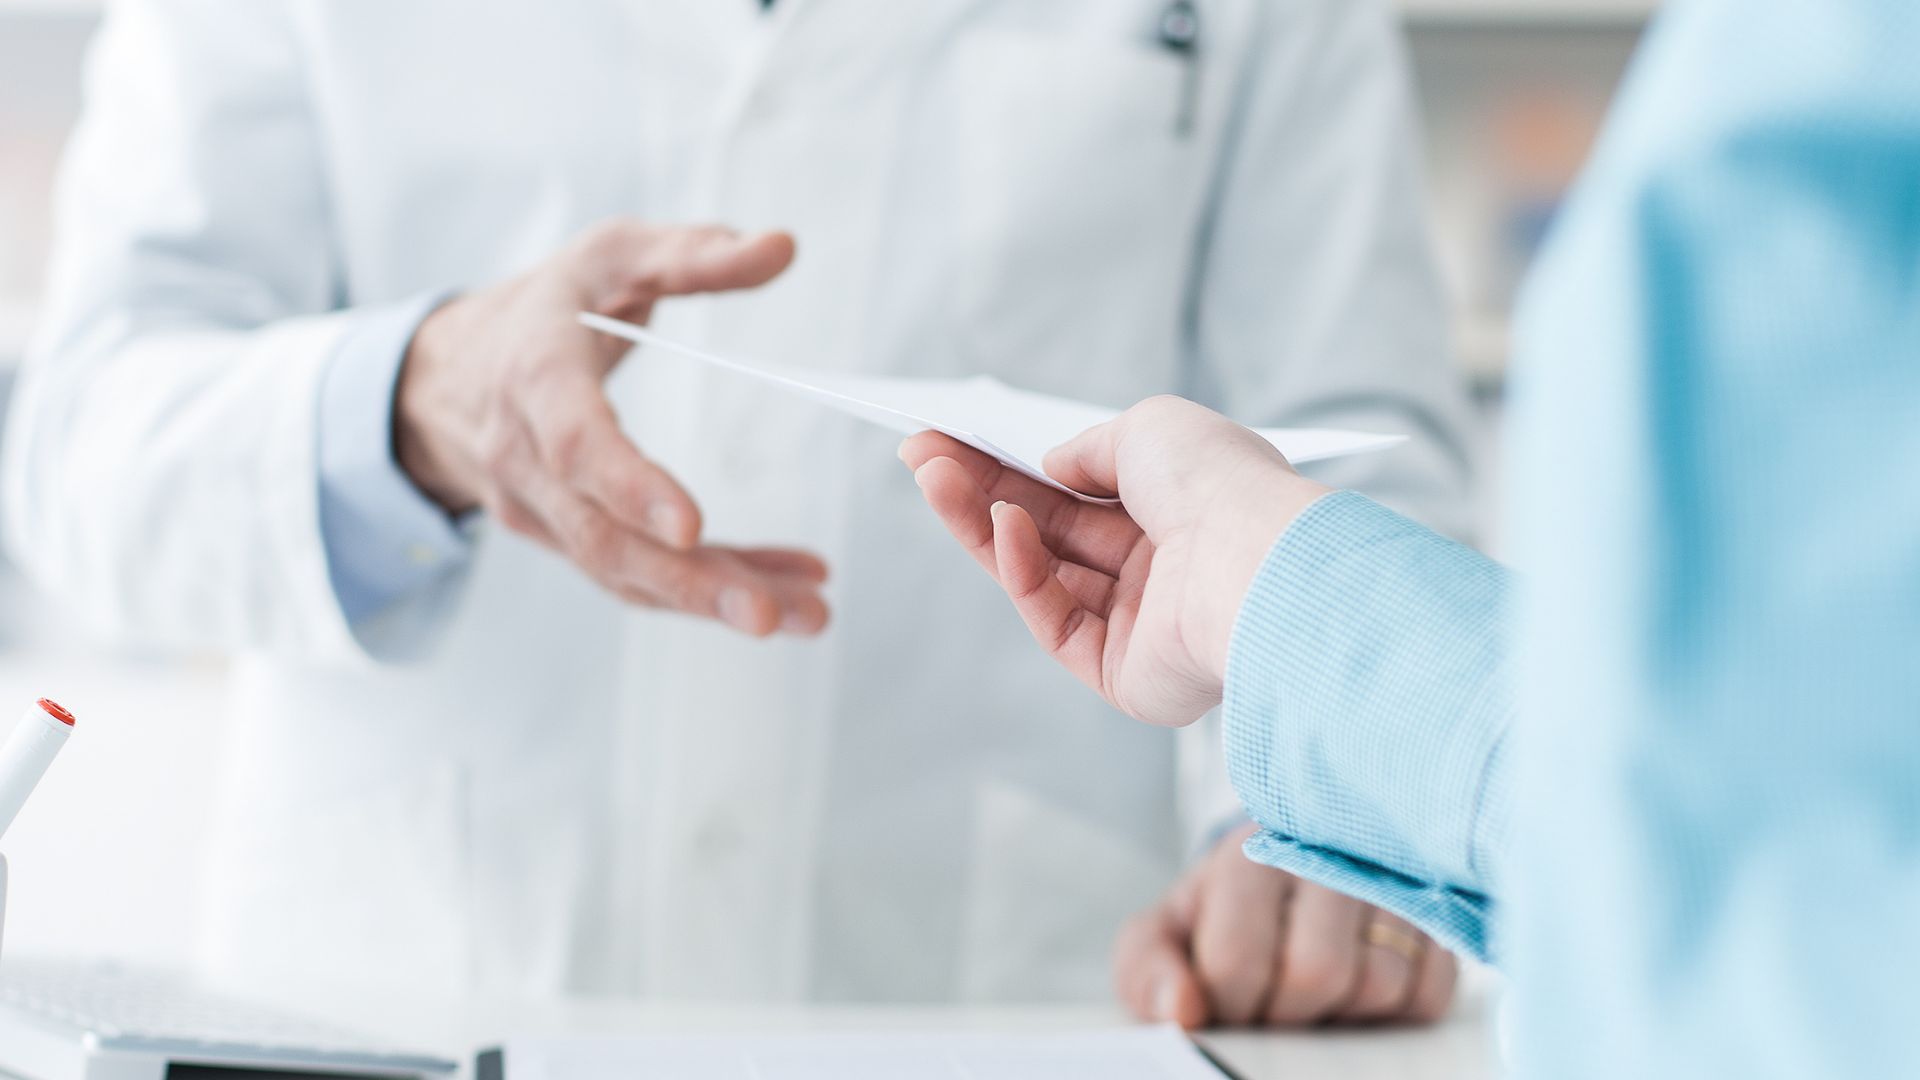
{"type": "Point", "coordinates": [1136, 599]}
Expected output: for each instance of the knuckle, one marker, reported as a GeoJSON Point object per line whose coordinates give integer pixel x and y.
{"type": "Point", "coordinates": [1160, 404]}
{"type": "Point", "coordinates": [1238, 981]}
{"type": "Point", "coordinates": [567, 452]}
{"type": "Point", "coordinates": [1233, 982]}
{"type": "Point", "coordinates": [1222, 966]}
{"type": "Point", "coordinates": [1312, 982]}
{"type": "Point", "coordinates": [1317, 972]}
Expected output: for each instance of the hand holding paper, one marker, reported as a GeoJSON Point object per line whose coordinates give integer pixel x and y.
{"type": "Point", "coordinates": [1137, 600]}
{"type": "Point", "coordinates": [1127, 557]}
{"type": "Point", "coordinates": [1014, 427]}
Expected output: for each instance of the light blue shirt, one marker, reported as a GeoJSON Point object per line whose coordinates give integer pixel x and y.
{"type": "Point", "coordinates": [384, 539]}
{"type": "Point", "coordinates": [1672, 782]}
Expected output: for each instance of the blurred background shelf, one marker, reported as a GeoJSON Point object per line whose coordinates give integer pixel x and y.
{"type": "Point", "coordinates": [1512, 93]}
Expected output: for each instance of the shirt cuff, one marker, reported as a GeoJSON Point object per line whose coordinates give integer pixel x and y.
{"type": "Point", "coordinates": [1366, 712]}
{"type": "Point", "coordinates": [384, 539]}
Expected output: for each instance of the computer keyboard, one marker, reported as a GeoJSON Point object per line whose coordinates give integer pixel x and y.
{"type": "Point", "coordinates": [132, 1010]}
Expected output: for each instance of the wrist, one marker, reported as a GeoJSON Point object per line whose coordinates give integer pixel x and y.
{"type": "Point", "coordinates": [423, 445]}
{"type": "Point", "coordinates": [1264, 503]}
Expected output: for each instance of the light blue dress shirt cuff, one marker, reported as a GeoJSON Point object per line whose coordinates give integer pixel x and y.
{"type": "Point", "coordinates": [384, 539]}
{"type": "Point", "coordinates": [1367, 708]}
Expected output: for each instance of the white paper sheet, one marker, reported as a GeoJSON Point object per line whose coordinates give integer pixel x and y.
{"type": "Point", "coordinates": [1160, 1053]}
{"type": "Point", "coordinates": [1016, 426]}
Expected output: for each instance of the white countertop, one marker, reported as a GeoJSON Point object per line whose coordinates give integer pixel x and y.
{"type": "Point", "coordinates": [132, 817]}
{"type": "Point", "coordinates": [1459, 1048]}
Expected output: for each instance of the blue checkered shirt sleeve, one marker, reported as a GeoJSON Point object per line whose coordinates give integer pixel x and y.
{"type": "Point", "coordinates": [1368, 702]}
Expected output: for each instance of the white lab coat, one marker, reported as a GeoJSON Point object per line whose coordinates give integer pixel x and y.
{"type": "Point", "coordinates": [515, 783]}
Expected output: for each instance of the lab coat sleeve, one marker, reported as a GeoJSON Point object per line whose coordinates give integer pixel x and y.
{"type": "Point", "coordinates": [1368, 702]}
{"type": "Point", "coordinates": [161, 462]}
{"type": "Point", "coordinates": [1318, 302]}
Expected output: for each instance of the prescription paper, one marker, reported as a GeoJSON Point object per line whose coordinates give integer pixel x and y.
{"type": "Point", "coordinates": [1015, 426]}
{"type": "Point", "coordinates": [1161, 1053]}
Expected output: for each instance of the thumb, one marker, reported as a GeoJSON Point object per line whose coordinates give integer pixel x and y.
{"type": "Point", "coordinates": [1086, 462]}
{"type": "Point", "coordinates": [1153, 970]}
{"type": "Point", "coordinates": [629, 265]}
{"type": "Point", "coordinates": [679, 261]}
{"type": "Point", "coordinates": [719, 259]}
{"type": "Point", "coordinates": [1090, 461]}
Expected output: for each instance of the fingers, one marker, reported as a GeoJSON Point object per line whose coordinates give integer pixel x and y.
{"type": "Point", "coordinates": [580, 486]}
{"type": "Point", "coordinates": [1434, 986]}
{"type": "Point", "coordinates": [1086, 461]}
{"type": "Point", "coordinates": [713, 259]}
{"type": "Point", "coordinates": [961, 506]}
{"type": "Point", "coordinates": [627, 265]}
{"type": "Point", "coordinates": [1072, 634]}
{"type": "Point", "coordinates": [1237, 943]}
{"type": "Point", "coordinates": [967, 513]}
{"type": "Point", "coordinates": [1090, 461]}
{"type": "Point", "coordinates": [757, 593]}
{"type": "Point", "coordinates": [1152, 975]}
{"type": "Point", "coordinates": [1239, 929]}
{"type": "Point", "coordinates": [984, 468]}
{"type": "Point", "coordinates": [1099, 537]}
{"type": "Point", "coordinates": [501, 404]}
{"type": "Point", "coordinates": [786, 562]}
{"type": "Point", "coordinates": [1391, 953]}
{"type": "Point", "coordinates": [580, 439]}
{"type": "Point", "coordinates": [1320, 963]}
{"type": "Point", "coordinates": [796, 592]}
{"type": "Point", "coordinates": [917, 450]}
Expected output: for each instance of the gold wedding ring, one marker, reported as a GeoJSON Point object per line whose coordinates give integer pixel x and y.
{"type": "Point", "coordinates": [1394, 939]}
